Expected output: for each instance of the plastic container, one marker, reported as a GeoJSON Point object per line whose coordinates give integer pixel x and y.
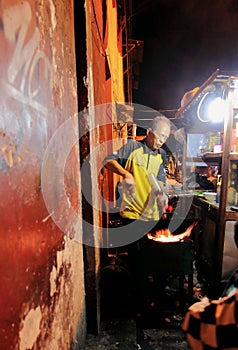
{"type": "Point", "coordinates": [154, 184]}
{"type": "Point", "coordinates": [210, 196]}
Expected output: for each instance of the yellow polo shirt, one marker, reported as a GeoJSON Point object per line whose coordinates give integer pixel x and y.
{"type": "Point", "coordinates": [137, 158]}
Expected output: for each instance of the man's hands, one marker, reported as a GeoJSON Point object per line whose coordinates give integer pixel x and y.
{"type": "Point", "coordinates": [130, 186]}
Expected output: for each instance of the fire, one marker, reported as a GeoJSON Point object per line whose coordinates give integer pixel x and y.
{"type": "Point", "coordinates": [166, 236]}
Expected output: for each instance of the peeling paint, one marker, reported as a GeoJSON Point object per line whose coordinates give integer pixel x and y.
{"type": "Point", "coordinates": [31, 329]}
{"type": "Point", "coordinates": [53, 277]}
{"type": "Point", "coordinates": [47, 217]}
{"type": "Point", "coordinates": [52, 14]}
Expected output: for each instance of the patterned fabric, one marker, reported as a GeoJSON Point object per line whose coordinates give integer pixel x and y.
{"type": "Point", "coordinates": [213, 324]}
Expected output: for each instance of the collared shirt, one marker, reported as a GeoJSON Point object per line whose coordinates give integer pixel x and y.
{"type": "Point", "coordinates": [138, 159]}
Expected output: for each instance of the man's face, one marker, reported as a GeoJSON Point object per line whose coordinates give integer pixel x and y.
{"type": "Point", "coordinates": [156, 138]}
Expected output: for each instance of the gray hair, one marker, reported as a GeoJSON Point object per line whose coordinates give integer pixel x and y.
{"type": "Point", "coordinates": [157, 120]}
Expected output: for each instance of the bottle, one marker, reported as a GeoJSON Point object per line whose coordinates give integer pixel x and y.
{"type": "Point", "coordinates": [156, 189]}
{"type": "Point", "coordinates": [218, 189]}
{"type": "Point", "coordinates": [154, 184]}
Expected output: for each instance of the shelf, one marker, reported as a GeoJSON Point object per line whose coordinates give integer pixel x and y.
{"type": "Point", "coordinates": [212, 157]}
{"type": "Point", "coordinates": [196, 161]}
{"type": "Point", "coordinates": [212, 209]}
{"type": "Point", "coordinates": [234, 156]}
{"type": "Point", "coordinates": [217, 157]}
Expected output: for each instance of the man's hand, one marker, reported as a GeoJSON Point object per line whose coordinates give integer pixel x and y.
{"type": "Point", "coordinates": [129, 183]}
{"type": "Point", "coordinates": [162, 202]}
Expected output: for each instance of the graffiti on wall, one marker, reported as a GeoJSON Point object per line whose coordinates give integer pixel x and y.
{"type": "Point", "coordinates": [26, 56]}
{"type": "Point", "coordinates": [25, 70]}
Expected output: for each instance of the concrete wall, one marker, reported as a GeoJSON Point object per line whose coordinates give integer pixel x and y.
{"type": "Point", "coordinates": [105, 78]}
{"type": "Point", "coordinates": [105, 86]}
{"type": "Point", "coordinates": [42, 296]}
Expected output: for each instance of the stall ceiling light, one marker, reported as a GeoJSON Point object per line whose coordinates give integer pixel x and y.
{"type": "Point", "coordinates": [211, 108]}
{"type": "Point", "coordinates": [217, 110]}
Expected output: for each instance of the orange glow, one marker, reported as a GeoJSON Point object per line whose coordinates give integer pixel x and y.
{"type": "Point", "coordinates": [169, 209]}
{"type": "Point", "coordinates": [166, 236]}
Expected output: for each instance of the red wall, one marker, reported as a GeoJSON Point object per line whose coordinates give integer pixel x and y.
{"type": "Point", "coordinates": [38, 93]}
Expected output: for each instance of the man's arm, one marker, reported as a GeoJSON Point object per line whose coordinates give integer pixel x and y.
{"type": "Point", "coordinates": [115, 167]}
{"type": "Point", "coordinates": [128, 178]}
{"type": "Point", "coordinates": [162, 199]}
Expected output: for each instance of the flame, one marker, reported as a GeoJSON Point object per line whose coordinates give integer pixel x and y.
{"type": "Point", "coordinates": [166, 236]}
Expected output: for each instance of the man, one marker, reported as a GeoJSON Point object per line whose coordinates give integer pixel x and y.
{"type": "Point", "coordinates": [141, 165]}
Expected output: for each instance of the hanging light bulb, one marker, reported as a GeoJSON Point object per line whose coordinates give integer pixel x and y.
{"type": "Point", "coordinates": [217, 110]}
{"type": "Point", "coordinates": [212, 106]}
